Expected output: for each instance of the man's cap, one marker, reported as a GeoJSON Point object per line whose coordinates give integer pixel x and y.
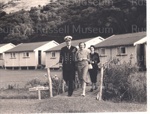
{"type": "Point", "coordinates": [67, 38]}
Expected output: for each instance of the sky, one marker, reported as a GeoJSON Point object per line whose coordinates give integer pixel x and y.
{"type": "Point", "coordinates": [23, 4]}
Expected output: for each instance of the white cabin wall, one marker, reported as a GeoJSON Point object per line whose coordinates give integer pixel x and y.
{"type": "Point", "coordinates": [111, 53]}
{"type": "Point", "coordinates": [52, 61]}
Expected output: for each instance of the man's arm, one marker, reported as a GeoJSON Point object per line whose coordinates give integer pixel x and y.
{"type": "Point", "coordinates": [75, 54]}
{"type": "Point", "coordinates": [61, 56]}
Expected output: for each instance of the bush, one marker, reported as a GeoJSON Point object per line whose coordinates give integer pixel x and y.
{"type": "Point", "coordinates": [56, 85]}
{"type": "Point", "coordinates": [34, 83]}
{"type": "Point", "coordinates": [12, 86]}
{"type": "Point", "coordinates": [13, 92]}
{"type": "Point", "coordinates": [123, 82]}
{"type": "Point", "coordinates": [137, 87]}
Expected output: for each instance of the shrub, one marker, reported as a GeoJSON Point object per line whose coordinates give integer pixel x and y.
{"type": "Point", "coordinates": [12, 86]}
{"type": "Point", "coordinates": [34, 83]}
{"type": "Point", "coordinates": [122, 82]}
{"type": "Point", "coordinates": [56, 85]}
{"type": "Point", "coordinates": [137, 87]}
{"type": "Point", "coordinates": [14, 92]}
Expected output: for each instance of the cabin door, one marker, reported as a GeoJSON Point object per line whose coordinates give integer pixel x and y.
{"type": "Point", "coordinates": [141, 56]}
{"type": "Point", "coordinates": [39, 57]}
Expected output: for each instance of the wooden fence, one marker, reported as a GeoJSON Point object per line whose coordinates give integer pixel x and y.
{"type": "Point", "coordinates": [99, 95]}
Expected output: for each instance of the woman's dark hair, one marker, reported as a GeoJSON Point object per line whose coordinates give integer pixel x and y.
{"type": "Point", "coordinates": [81, 43]}
{"type": "Point", "coordinates": [92, 46]}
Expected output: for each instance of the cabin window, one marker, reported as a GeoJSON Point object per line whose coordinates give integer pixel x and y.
{"type": "Point", "coordinates": [102, 51]}
{"type": "Point", "coordinates": [12, 55]}
{"type": "Point", "coordinates": [53, 54]}
{"type": "Point", "coordinates": [121, 50]}
{"type": "Point", "coordinates": [26, 54]}
{"type": "Point", "coordinates": [1, 56]}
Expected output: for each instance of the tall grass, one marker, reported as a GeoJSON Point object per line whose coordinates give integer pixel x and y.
{"type": "Point", "coordinates": [124, 82]}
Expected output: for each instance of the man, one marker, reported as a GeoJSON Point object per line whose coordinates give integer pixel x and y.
{"type": "Point", "coordinates": [67, 61]}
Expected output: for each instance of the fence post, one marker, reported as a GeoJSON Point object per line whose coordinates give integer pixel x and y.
{"type": "Point", "coordinates": [63, 86]}
{"type": "Point", "coordinates": [99, 95]}
{"type": "Point", "coordinates": [39, 94]}
{"type": "Point", "coordinates": [50, 82]}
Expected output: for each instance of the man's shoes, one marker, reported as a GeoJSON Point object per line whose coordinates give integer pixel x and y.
{"type": "Point", "coordinates": [70, 94]}
{"type": "Point", "coordinates": [91, 90]}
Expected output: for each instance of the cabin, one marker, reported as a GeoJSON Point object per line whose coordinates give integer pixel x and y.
{"type": "Point", "coordinates": [3, 48]}
{"type": "Point", "coordinates": [28, 55]}
{"type": "Point", "coordinates": [53, 54]}
{"type": "Point", "coordinates": [122, 47]}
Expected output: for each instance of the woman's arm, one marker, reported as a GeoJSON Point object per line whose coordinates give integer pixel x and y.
{"type": "Point", "coordinates": [77, 57]}
{"type": "Point", "coordinates": [88, 57]}
{"type": "Point", "coordinates": [97, 60]}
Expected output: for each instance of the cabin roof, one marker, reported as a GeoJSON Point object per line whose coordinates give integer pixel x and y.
{"type": "Point", "coordinates": [74, 43]}
{"type": "Point", "coordinates": [27, 46]}
{"type": "Point", "coordinates": [121, 39]}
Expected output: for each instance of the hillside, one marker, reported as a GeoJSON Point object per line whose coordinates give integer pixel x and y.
{"type": "Point", "coordinates": [79, 18]}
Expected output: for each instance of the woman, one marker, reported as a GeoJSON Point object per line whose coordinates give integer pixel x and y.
{"type": "Point", "coordinates": [94, 60]}
{"type": "Point", "coordinates": [82, 58]}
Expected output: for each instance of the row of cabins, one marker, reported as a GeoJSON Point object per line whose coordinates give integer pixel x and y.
{"type": "Point", "coordinates": [125, 47]}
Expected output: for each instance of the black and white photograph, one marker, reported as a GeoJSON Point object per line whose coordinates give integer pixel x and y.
{"type": "Point", "coordinates": [73, 56]}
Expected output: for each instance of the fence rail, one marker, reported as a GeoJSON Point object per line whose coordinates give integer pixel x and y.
{"type": "Point", "coordinates": [18, 84]}
{"type": "Point", "coordinates": [99, 95]}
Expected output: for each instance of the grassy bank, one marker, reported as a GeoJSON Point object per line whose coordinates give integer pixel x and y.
{"type": "Point", "coordinates": [67, 105]}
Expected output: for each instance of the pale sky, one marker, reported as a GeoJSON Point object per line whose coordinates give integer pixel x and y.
{"type": "Point", "coordinates": [24, 4]}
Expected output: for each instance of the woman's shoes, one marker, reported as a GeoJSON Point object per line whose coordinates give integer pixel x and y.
{"type": "Point", "coordinates": [83, 95]}
{"type": "Point", "coordinates": [91, 90]}
{"type": "Point", "coordinates": [95, 88]}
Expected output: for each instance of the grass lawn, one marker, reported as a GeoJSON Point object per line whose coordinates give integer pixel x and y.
{"type": "Point", "coordinates": [19, 78]}
{"type": "Point", "coordinates": [65, 105]}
